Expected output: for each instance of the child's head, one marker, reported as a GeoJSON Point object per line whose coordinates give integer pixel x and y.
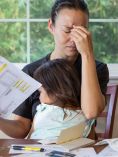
{"type": "Point", "coordinates": [60, 84]}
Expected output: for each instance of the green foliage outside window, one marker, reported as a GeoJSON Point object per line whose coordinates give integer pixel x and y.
{"type": "Point", "coordinates": [12, 9]}
{"type": "Point", "coordinates": [41, 42]}
{"type": "Point", "coordinates": [105, 35]}
{"type": "Point", "coordinates": [13, 37]}
{"type": "Point", "coordinates": [13, 41]}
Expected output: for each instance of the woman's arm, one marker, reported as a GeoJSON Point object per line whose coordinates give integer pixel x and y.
{"type": "Point", "coordinates": [92, 99]}
{"type": "Point", "coordinates": [17, 128]}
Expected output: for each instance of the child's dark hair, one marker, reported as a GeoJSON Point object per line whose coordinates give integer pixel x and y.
{"type": "Point", "coordinates": [60, 79]}
{"type": "Point", "coordinates": [71, 4]}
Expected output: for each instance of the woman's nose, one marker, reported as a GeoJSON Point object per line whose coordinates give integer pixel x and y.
{"type": "Point", "coordinates": [71, 42]}
{"type": "Point", "coordinates": [70, 39]}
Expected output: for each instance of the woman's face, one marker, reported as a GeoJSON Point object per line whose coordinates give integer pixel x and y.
{"type": "Point", "coordinates": [44, 97]}
{"type": "Point", "coordinates": [66, 18]}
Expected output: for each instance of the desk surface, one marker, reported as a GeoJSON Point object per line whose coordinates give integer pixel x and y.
{"type": "Point", "coordinates": [6, 143]}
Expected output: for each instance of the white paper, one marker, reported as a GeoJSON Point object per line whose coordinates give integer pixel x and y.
{"type": "Point", "coordinates": [85, 152]}
{"type": "Point", "coordinates": [15, 87]}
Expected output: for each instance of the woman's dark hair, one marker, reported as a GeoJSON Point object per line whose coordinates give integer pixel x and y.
{"type": "Point", "coordinates": [59, 79]}
{"type": "Point", "coordinates": [71, 4]}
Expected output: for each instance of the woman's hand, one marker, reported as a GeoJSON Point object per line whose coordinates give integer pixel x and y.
{"type": "Point", "coordinates": [82, 39]}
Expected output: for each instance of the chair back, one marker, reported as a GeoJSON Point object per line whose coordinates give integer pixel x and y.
{"type": "Point", "coordinates": [108, 113]}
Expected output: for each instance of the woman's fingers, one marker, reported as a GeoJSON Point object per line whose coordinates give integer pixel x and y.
{"type": "Point", "coordinates": [82, 39]}
{"type": "Point", "coordinates": [82, 29]}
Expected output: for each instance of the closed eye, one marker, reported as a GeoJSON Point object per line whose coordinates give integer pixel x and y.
{"type": "Point", "coordinates": [67, 31]}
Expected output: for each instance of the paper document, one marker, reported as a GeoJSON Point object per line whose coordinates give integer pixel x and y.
{"type": "Point", "coordinates": [85, 152]}
{"type": "Point", "coordinates": [15, 87]}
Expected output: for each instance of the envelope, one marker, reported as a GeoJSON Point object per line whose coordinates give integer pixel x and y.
{"type": "Point", "coordinates": [71, 133]}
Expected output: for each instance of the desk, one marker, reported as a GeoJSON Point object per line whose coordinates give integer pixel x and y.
{"type": "Point", "coordinates": [6, 143]}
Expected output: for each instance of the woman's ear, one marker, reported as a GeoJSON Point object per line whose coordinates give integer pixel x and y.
{"type": "Point", "coordinates": [50, 26]}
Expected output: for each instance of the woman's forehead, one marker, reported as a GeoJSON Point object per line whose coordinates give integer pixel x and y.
{"type": "Point", "coordinates": [69, 17]}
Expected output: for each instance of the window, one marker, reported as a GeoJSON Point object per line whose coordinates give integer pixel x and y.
{"type": "Point", "coordinates": [24, 36]}
{"type": "Point", "coordinates": [104, 27]}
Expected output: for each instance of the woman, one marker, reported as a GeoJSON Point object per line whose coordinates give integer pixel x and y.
{"type": "Point", "coordinates": [69, 26]}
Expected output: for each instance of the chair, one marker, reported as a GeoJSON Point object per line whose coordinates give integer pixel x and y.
{"type": "Point", "coordinates": [108, 113]}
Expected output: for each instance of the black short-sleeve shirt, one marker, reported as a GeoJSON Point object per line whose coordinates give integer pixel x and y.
{"type": "Point", "coordinates": [28, 108]}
